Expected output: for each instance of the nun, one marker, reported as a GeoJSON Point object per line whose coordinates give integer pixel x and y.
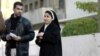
{"type": "Point", "coordinates": [48, 38]}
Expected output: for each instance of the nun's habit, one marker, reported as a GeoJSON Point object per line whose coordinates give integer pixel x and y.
{"type": "Point", "coordinates": [50, 45]}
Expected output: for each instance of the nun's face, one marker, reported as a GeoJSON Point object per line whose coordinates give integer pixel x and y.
{"type": "Point", "coordinates": [47, 18]}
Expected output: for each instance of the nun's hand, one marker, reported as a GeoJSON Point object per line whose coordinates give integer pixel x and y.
{"type": "Point", "coordinates": [41, 34]}
{"type": "Point", "coordinates": [40, 37]}
{"type": "Point", "coordinates": [8, 37]}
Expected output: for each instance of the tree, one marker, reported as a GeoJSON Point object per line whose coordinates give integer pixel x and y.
{"type": "Point", "coordinates": [99, 14]}
{"type": "Point", "coordinates": [87, 6]}
{"type": "Point", "coordinates": [90, 7]}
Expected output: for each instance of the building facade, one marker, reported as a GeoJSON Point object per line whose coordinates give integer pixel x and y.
{"type": "Point", "coordinates": [65, 9]}
{"type": "Point", "coordinates": [34, 9]}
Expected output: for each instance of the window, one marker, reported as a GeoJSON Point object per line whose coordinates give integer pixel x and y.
{"type": "Point", "coordinates": [26, 8]}
{"type": "Point", "coordinates": [31, 6]}
{"type": "Point", "coordinates": [36, 5]}
{"type": "Point", "coordinates": [61, 4]}
{"type": "Point", "coordinates": [41, 3]}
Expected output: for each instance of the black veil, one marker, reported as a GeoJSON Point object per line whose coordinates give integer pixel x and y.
{"type": "Point", "coordinates": [55, 19]}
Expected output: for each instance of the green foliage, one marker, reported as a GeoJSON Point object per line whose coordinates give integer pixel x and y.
{"type": "Point", "coordinates": [80, 27]}
{"type": "Point", "coordinates": [87, 6]}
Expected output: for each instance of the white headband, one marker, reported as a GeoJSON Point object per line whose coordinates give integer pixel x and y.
{"type": "Point", "coordinates": [52, 15]}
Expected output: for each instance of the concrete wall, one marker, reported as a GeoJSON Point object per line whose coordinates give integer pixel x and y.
{"type": "Point", "coordinates": [82, 45]}
{"type": "Point", "coordinates": [79, 46]}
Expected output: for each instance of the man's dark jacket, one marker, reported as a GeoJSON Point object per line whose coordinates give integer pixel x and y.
{"type": "Point", "coordinates": [23, 29]}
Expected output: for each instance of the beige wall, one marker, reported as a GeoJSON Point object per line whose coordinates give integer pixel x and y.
{"type": "Point", "coordinates": [7, 7]}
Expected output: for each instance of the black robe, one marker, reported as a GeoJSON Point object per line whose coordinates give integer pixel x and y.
{"type": "Point", "coordinates": [50, 45]}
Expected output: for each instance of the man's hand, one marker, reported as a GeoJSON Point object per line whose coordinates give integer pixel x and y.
{"type": "Point", "coordinates": [18, 38]}
{"type": "Point", "coordinates": [15, 37]}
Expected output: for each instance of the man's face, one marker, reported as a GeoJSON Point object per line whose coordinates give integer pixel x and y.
{"type": "Point", "coordinates": [18, 10]}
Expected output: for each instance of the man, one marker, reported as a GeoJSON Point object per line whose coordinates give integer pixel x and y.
{"type": "Point", "coordinates": [18, 34]}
